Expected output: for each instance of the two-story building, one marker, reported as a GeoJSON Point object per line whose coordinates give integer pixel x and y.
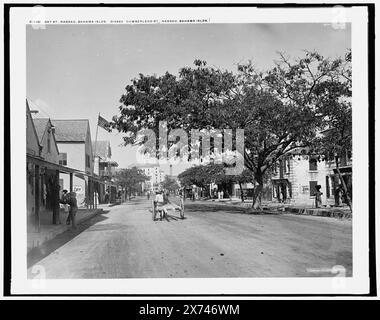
{"type": "Point", "coordinates": [75, 150]}
{"type": "Point", "coordinates": [33, 150]}
{"type": "Point", "coordinates": [296, 176]}
{"type": "Point", "coordinates": [46, 135]}
{"type": "Point", "coordinates": [42, 172]}
{"type": "Point", "coordinates": [105, 167]}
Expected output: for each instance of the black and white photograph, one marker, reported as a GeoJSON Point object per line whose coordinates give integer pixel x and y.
{"type": "Point", "coordinates": [197, 150]}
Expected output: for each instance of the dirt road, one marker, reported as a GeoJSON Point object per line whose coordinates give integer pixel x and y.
{"type": "Point", "coordinates": [211, 241]}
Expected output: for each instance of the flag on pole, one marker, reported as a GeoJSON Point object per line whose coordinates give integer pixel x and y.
{"type": "Point", "coordinates": [103, 123]}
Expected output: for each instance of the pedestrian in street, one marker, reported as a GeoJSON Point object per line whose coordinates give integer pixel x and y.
{"type": "Point", "coordinates": [181, 194]}
{"type": "Point", "coordinates": [318, 196]}
{"type": "Point", "coordinates": [72, 201]}
{"type": "Point", "coordinates": [148, 195]}
{"type": "Point", "coordinates": [338, 196]}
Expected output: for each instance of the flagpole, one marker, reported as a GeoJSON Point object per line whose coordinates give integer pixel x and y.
{"type": "Point", "coordinates": [96, 135]}
{"type": "Point", "coordinates": [96, 142]}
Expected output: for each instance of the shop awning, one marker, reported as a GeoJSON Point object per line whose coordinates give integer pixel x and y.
{"type": "Point", "coordinates": [62, 169]}
{"type": "Point", "coordinates": [280, 181]}
{"type": "Point", "coordinates": [51, 165]}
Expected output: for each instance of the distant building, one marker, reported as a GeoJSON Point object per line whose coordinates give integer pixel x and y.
{"type": "Point", "coordinates": [155, 174]}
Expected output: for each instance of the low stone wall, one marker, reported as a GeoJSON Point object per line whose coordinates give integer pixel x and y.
{"type": "Point", "coordinates": [328, 212]}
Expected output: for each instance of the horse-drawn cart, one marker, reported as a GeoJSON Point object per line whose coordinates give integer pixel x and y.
{"type": "Point", "coordinates": [162, 208]}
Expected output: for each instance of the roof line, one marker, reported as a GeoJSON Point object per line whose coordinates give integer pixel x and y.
{"type": "Point", "coordinates": [33, 126]}
{"type": "Point", "coordinates": [70, 141]}
{"type": "Point", "coordinates": [70, 119]}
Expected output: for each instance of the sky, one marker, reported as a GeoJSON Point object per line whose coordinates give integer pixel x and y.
{"type": "Point", "coordinates": [79, 71]}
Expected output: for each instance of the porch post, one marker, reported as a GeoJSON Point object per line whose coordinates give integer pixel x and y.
{"type": "Point", "coordinates": [37, 197]}
{"type": "Point", "coordinates": [71, 182]}
{"type": "Point", "coordinates": [55, 198]}
{"type": "Point", "coordinates": [96, 195]}
{"type": "Point", "coordinates": [90, 191]}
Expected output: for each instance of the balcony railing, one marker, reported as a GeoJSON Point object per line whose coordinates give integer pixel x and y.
{"type": "Point", "coordinates": [105, 173]}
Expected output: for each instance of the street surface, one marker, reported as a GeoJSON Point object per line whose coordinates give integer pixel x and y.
{"type": "Point", "coordinates": [212, 241]}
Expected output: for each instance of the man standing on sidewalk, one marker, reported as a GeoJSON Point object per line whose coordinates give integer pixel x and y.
{"type": "Point", "coordinates": [63, 200]}
{"type": "Point", "coordinates": [318, 196]}
{"type": "Point", "coordinates": [72, 202]}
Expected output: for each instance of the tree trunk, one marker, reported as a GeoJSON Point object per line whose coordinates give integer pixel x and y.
{"type": "Point", "coordinates": [256, 201]}
{"type": "Point", "coordinates": [344, 185]}
{"type": "Point", "coordinates": [241, 192]}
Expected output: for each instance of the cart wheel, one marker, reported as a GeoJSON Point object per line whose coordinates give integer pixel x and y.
{"type": "Point", "coordinates": [153, 211]}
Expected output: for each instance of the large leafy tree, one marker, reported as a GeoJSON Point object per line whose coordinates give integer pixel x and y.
{"type": "Point", "coordinates": [199, 176]}
{"type": "Point", "coordinates": [203, 175]}
{"type": "Point", "coordinates": [170, 184]}
{"type": "Point", "coordinates": [280, 109]}
{"type": "Point", "coordinates": [335, 143]}
{"type": "Point", "coordinates": [129, 179]}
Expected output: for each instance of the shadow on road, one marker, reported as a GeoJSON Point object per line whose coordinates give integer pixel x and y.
{"type": "Point", "coordinates": [49, 246]}
{"type": "Point", "coordinates": [226, 208]}
{"type": "Point", "coordinates": [170, 218]}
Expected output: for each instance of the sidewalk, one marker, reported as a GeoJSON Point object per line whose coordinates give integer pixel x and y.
{"type": "Point", "coordinates": [335, 212]}
{"type": "Point", "coordinates": [50, 231]}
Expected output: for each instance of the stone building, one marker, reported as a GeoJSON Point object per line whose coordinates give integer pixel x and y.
{"type": "Point", "coordinates": [296, 176]}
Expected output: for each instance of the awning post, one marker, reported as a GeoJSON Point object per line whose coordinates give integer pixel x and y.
{"type": "Point", "coordinates": [71, 182]}
{"type": "Point", "coordinates": [56, 198]}
{"type": "Point", "coordinates": [37, 197]}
